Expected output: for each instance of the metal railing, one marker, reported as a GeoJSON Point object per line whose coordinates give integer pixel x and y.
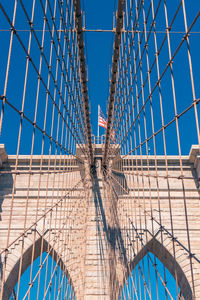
{"type": "Point", "coordinates": [98, 139]}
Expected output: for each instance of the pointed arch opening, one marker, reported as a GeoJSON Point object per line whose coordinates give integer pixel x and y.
{"type": "Point", "coordinates": [155, 274]}
{"type": "Point", "coordinates": [44, 278]}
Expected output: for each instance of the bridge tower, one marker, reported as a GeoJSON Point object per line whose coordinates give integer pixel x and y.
{"type": "Point", "coordinates": [98, 255]}
{"type": "Point", "coordinates": [84, 219]}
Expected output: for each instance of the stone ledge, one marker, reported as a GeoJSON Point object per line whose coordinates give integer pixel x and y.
{"type": "Point", "coordinates": [3, 154]}
{"type": "Point", "coordinates": [194, 157]}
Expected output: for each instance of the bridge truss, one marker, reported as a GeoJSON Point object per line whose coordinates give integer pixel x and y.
{"type": "Point", "coordinates": [137, 198]}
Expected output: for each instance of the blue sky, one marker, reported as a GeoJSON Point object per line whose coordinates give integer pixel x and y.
{"type": "Point", "coordinates": [99, 15]}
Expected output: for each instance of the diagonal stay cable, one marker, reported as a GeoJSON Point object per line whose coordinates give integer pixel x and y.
{"type": "Point", "coordinates": [155, 220]}
{"type": "Point", "coordinates": [78, 14]}
{"type": "Point", "coordinates": [115, 59]}
{"type": "Point", "coordinates": [40, 218]}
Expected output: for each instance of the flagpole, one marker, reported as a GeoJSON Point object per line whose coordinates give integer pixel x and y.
{"type": "Point", "coordinates": [98, 122]}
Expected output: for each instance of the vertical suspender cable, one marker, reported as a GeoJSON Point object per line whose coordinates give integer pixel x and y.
{"type": "Point", "coordinates": [115, 59]}
{"type": "Point", "coordinates": [80, 42]}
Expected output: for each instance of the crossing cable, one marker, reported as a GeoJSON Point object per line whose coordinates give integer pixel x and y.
{"type": "Point", "coordinates": [124, 109]}
{"type": "Point", "coordinates": [153, 264]}
{"type": "Point", "coordinates": [34, 123]}
{"type": "Point", "coordinates": [71, 145]}
{"type": "Point", "coordinates": [138, 237]}
{"type": "Point", "coordinates": [122, 72]}
{"type": "Point", "coordinates": [196, 101]}
{"type": "Point", "coordinates": [65, 242]}
{"type": "Point", "coordinates": [154, 219]}
{"type": "Point", "coordinates": [53, 269]}
{"type": "Point", "coordinates": [120, 246]}
{"type": "Point", "coordinates": [179, 177]}
{"type": "Point", "coordinates": [128, 126]}
{"type": "Point", "coordinates": [32, 172]}
{"type": "Point", "coordinates": [50, 249]}
{"type": "Point", "coordinates": [127, 265]}
{"type": "Point", "coordinates": [115, 59]}
{"type": "Point", "coordinates": [4, 98]}
{"type": "Point", "coordinates": [75, 69]}
{"type": "Point", "coordinates": [137, 12]}
{"type": "Point", "coordinates": [160, 225]}
{"type": "Point", "coordinates": [35, 126]}
{"type": "Point", "coordinates": [40, 218]}
{"type": "Point", "coordinates": [78, 14]}
{"type": "Point", "coordinates": [139, 147]}
{"type": "Point", "coordinates": [141, 157]}
{"type": "Point", "coordinates": [134, 68]}
{"type": "Point", "coordinates": [66, 41]}
{"type": "Point", "coordinates": [102, 30]}
{"type": "Point", "coordinates": [55, 163]}
{"type": "Point", "coordinates": [70, 56]}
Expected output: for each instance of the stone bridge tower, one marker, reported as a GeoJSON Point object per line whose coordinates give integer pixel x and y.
{"type": "Point", "coordinates": [88, 220]}
{"type": "Point", "coordinates": [95, 217]}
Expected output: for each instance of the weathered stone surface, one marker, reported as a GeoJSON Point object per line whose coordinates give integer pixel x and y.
{"type": "Point", "coordinates": [88, 229]}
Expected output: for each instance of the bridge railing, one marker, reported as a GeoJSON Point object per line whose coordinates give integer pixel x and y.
{"type": "Point", "coordinates": [98, 139]}
{"type": "Point", "coordinates": [101, 139]}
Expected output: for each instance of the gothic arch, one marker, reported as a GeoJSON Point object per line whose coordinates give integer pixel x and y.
{"type": "Point", "coordinates": [12, 277]}
{"type": "Point", "coordinates": [164, 255]}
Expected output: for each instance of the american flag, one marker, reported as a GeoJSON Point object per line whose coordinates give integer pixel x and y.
{"type": "Point", "coordinates": [103, 123]}
{"type": "Point", "coordinates": [102, 120]}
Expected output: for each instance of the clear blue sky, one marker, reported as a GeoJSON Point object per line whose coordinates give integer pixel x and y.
{"type": "Point", "coordinates": [99, 15]}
